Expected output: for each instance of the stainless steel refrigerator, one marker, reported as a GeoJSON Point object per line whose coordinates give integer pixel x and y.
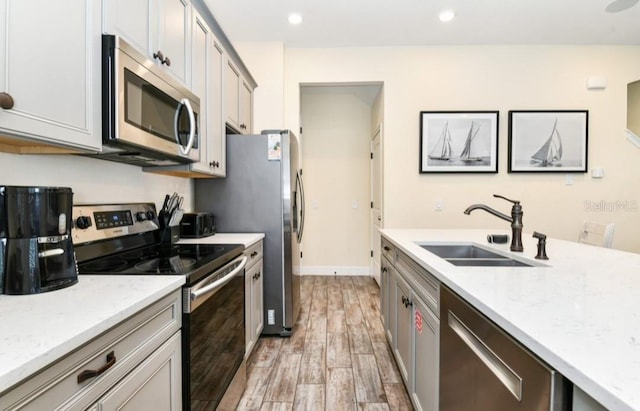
{"type": "Point", "coordinates": [263, 193]}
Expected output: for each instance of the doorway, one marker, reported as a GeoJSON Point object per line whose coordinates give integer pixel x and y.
{"type": "Point", "coordinates": [338, 124]}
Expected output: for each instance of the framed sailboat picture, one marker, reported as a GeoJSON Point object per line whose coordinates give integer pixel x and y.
{"type": "Point", "coordinates": [458, 142]}
{"type": "Point", "coordinates": [548, 141]}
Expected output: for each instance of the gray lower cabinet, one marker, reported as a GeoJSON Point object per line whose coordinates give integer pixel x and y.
{"type": "Point", "coordinates": [409, 298]}
{"type": "Point", "coordinates": [426, 357]}
{"type": "Point", "coordinates": [151, 385]}
{"type": "Point", "coordinates": [134, 366]}
{"type": "Point", "coordinates": [254, 306]}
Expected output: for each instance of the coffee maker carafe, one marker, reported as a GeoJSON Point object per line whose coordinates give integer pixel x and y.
{"type": "Point", "coordinates": [36, 250]}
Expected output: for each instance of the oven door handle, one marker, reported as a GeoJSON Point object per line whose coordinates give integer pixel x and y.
{"type": "Point", "coordinates": [221, 282]}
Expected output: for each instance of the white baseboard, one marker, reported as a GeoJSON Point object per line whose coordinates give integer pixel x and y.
{"type": "Point", "coordinates": [335, 270]}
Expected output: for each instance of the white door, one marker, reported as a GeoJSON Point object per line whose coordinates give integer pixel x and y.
{"type": "Point", "coordinates": [376, 203]}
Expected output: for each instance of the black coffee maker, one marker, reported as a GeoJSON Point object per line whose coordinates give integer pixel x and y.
{"type": "Point", "coordinates": [36, 250]}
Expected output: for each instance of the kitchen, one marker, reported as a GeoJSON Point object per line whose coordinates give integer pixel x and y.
{"type": "Point", "coordinates": [501, 77]}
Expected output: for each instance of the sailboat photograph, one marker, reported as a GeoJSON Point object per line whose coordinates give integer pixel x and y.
{"type": "Point", "coordinates": [466, 154]}
{"type": "Point", "coordinates": [550, 153]}
{"type": "Point", "coordinates": [553, 141]}
{"type": "Point", "coordinates": [460, 141]}
{"type": "Point", "coordinates": [442, 150]}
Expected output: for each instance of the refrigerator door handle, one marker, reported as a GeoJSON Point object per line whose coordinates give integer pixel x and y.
{"type": "Point", "coordinates": [301, 205]}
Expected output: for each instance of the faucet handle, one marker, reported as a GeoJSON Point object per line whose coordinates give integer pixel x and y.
{"type": "Point", "coordinates": [505, 198]}
{"type": "Point", "coordinates": [542, 243]}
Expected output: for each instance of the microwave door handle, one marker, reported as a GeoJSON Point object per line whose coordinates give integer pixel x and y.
{"type": "Point", "coordinates": [192, 126]}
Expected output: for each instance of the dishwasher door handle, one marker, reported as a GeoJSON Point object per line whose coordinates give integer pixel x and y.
{"type": "Point", "coordinates": [511, 380]}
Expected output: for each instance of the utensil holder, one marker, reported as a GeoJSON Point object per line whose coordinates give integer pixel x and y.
{"type": "Point", "coordinates": [168, 234]}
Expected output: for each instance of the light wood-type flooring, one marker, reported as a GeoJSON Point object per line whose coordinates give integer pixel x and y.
{"type": "Point", "coordinates": [337, 358]}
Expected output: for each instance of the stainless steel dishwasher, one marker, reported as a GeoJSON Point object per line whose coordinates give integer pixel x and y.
{"type": "Point", "coordinates": [483, 368]}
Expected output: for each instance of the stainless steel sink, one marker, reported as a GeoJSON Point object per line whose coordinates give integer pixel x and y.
{"type": "Point", "coordinates": [470, 255]}
{"type": "Point", "coordinates": [487, 262]}
{"type": "Point", "coordinates": [460, 251]}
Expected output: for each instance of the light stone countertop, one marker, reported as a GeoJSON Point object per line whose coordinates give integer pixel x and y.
{"type": "Point", "coordinates": [580, 314]}
{"type": "Point", "coordinates": [248, 239]}
{"type": "Point", "coordinates": [38, 329]}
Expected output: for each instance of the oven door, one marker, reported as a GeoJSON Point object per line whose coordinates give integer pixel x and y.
{"type": "Point", "coordinates": [214, 339]}
{"type": "Point", "coordinates": [147, 108]}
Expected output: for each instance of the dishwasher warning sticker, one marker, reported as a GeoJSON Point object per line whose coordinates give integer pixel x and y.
{"type": "Point", "coordinates": [418, 321]}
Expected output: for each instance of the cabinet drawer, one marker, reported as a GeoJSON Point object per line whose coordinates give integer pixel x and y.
{"type": "Point", "coordinates": [254, 254]}
{"type": "Point", "coordinates": [129, 343]}
{"type": "Point", "coordinates": [425, 284]}
{"type": "Point", "coordinates": [388, 250]}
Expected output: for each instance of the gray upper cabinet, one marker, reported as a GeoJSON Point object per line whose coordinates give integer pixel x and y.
{"type": "Point", "coordinates": [238, 100]}
{"type": "Point", "coordinates": [50, 75]}
{"type": "Point", "coordinates": [161, 28]}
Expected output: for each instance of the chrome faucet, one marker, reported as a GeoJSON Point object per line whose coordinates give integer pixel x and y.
{"type": "Point", "coordinates": [515, 220]}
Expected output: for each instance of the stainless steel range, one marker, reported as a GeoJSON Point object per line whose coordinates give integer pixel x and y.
{"type": "Point", "coordinates": [122, 239]}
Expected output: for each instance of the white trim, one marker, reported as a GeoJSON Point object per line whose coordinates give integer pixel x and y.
{"type": "Point", "coordinates": [633, 138]}
{"type": "Point", "coordinates": [336, 270]}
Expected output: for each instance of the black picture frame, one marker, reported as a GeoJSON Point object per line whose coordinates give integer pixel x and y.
{"type": "Point", "coordinates": [458, 142]}
{"type": "Point", "coordinates": [548, 141]}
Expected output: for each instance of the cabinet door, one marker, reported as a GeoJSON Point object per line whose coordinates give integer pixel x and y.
{"type": "Point", "coordinates": [199, 76]}
{"type": "Point", "coordinates": [52, 72]}
{"type": "Point", "coordinates": [245, 109]}
{"type": "Point", "coordinates": [250, 276]}
{"type": "Point", "coordinates": [425, 356]}
{"type": "Point", "coordinates": [384, 296]}
{"type": "Point", "coordinates": [216, 134]}
{"type": "Point", "coordinates": [134, 21]}
{"type": "Point", "coordinates": [156, 384]}
{"type": "Point", "coordinates": [232, 85]}
{"type": "Point", "coordinates": [403, 328]}
{"type": "Point", "coordinates": [257, 316]}
{"type": "Point", "coordinates": [173, 39]}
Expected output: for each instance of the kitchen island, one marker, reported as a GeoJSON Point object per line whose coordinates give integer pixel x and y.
{"type": "Point", "coordinates": [37, 330]}
{"type": "Point", "coordinates": [578, 312]}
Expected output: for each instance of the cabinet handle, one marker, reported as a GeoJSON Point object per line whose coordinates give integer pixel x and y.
{"type": "Point", "coordinates": [256, 275]}
{"type": "Point", "coordinates": [253, 254]}
{"type": "Point", "coordinates": [386, 248]}
{"type": "Point", "coordinates": [88, 374]}
{"type": "Point", "coordinates": [406, 302]}
{"type": "Point", "coordinates": [6, 101]}
{"type": "Point", "coordinates": [162, 58]}
{"type": "Point", "coordinates": [214, 164]}
{"type": "Point", "coordinates": [384, 269]}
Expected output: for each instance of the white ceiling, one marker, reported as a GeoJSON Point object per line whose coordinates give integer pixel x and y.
{"type": "Point", "coordinates": [339, 23]}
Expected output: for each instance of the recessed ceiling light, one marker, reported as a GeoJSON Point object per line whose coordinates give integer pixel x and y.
{"type": "Point", "coordinates": [620, 5]}
{"type": "Point", "coordinates": [446, 15]}
{"type": "Point", "coordinates": [295, 18]}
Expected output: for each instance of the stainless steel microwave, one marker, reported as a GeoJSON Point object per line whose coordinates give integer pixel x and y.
{"type": "Point", "coordinates": [148, 117]}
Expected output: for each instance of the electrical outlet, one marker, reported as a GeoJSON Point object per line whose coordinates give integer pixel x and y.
{"type": "Point", "coordinates": [568, 179]}
{"type": "Point", "coordinates": [439, 205]}
{"type": "Point", "coordinates": [271, 317]}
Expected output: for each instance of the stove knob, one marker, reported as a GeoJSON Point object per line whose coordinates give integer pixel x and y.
{"type": "Point", "coordinates": [151, 215]}
{"type": "Point", "coordinates": [141, 216]}
{"type": "Point", "coordinates": [83, 222]}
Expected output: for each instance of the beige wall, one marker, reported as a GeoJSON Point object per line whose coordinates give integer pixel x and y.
{"type": "Point", "coordinates": [92, 180]}
{"type": "Point", "coordinates": [335, 154]}
{"type": "Point", "coordinates": [492, 78]}
{"type": "Point", "coordinates": [266, 63]}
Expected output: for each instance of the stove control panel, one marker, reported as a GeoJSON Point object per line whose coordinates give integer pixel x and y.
{"type": "Point", "coordinates": [97, 222]}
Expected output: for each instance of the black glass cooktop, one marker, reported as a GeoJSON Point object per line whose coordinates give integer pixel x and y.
{"type": "Point", "coordinates": [191, 260]}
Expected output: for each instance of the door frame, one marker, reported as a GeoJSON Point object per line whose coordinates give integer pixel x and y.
{"type": "Point", "coordinates": [377, 211]}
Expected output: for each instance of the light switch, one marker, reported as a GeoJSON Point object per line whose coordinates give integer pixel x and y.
{"type": "Point", "coordinates": [354, 204]}
{"type": "Point", "coordinates": [439, 205]}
